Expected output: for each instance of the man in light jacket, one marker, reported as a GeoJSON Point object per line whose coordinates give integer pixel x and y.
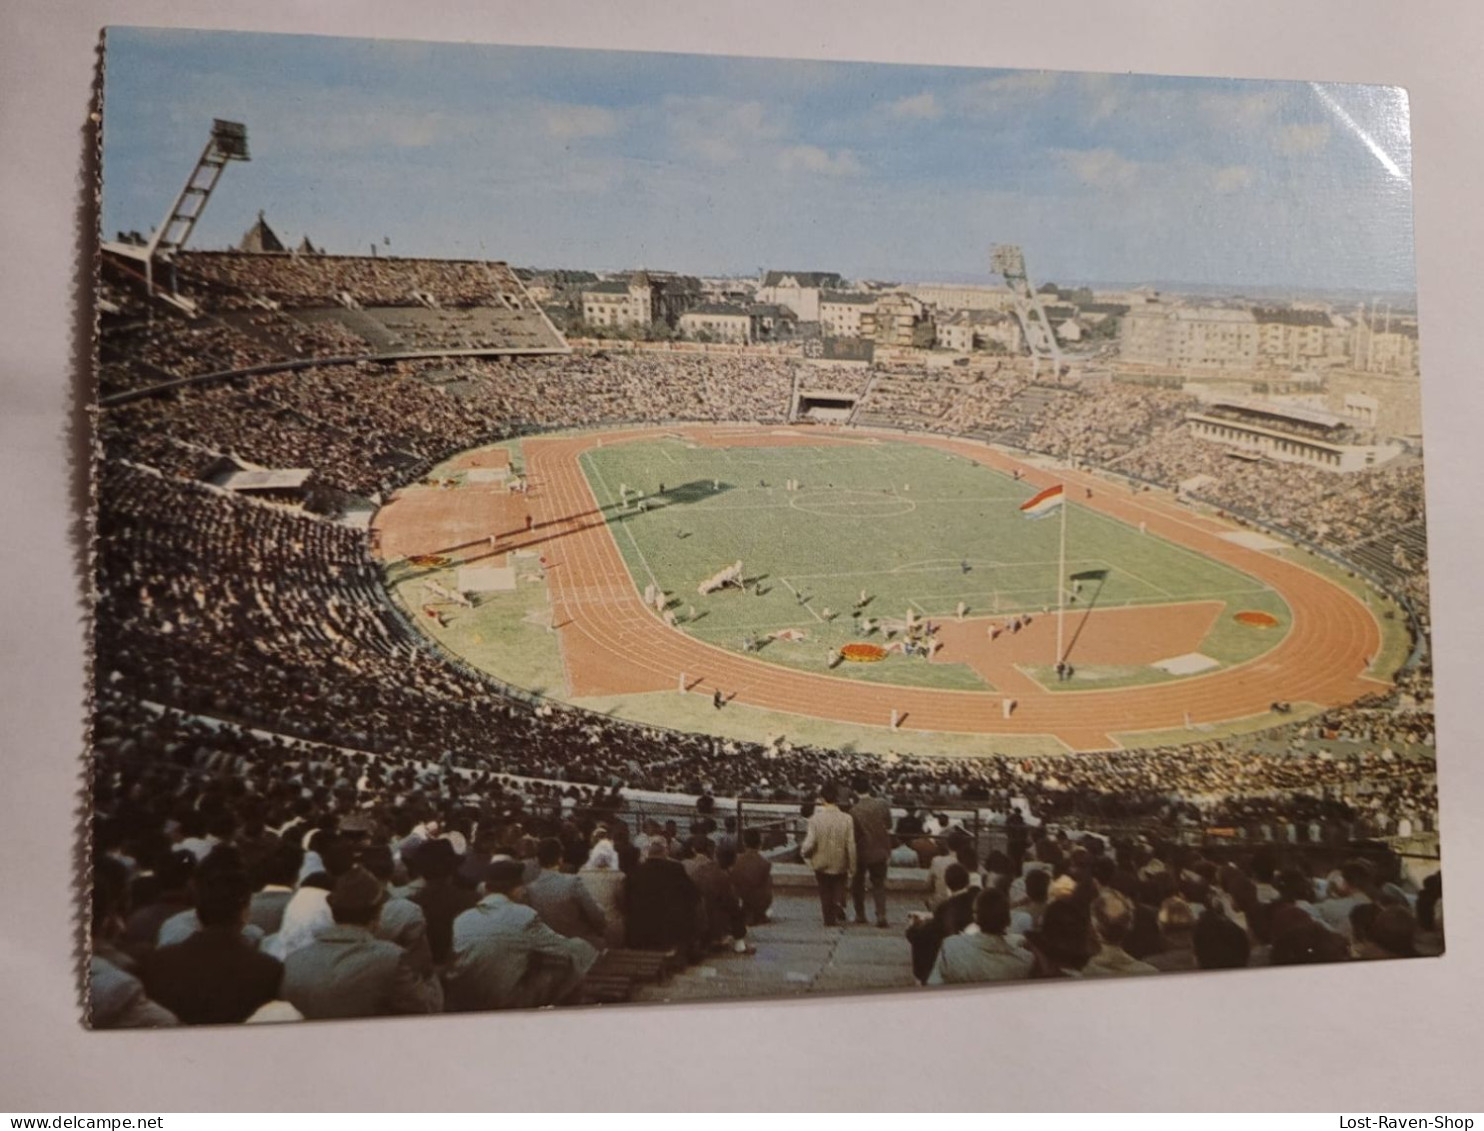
{"type": "Point", "coordinates": [829, 848]}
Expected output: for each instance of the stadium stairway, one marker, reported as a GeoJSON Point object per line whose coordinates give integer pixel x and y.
{"type": "Point", "coordinates": [797, 954]}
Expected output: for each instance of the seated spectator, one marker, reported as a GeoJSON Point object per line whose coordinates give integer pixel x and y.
{"type": "Point", "coordinates": [1218, 943]}
{"type": "Point", "coordinates": [1064, 942]}
{"type": "Point", "coordinates": [903, 856]}
{"type": "Point", "coordinates": [723, 921]}
{"type": "Point", "coordinates": [401, 921]}
{"type": "Point", "coordinates": [752, 875]}
{"type": "Point", "coordinates": [116, 998]}
{"type": "Point", "coordinates": [1383, 932]}
{"type": "Point", "coordinates": [441, 899]}
{"type": "Point", "coordinates": [1112, 919]}
{"type": "Point", "coordinates": [1347, 890]}
{"type": "Point", "coordinates": [563, 902]}
{"type": "Point", "coordinates": [604, 881]}
{"type": "Point", "coordinates": [1037, 886]}
{"type": "Point", "coordinates": [183, 925]}
{"type": "Point", "coordinates": [172, 876]}
{"type": "Point", "coordinates": [215, 976]}
{"type": "Point", "coordinates": [662, 903]}
{"type": "Point", "coordinates": [307, 912]}
{"type": "Point", "coordinates": [276, 873]}
{"type": "Point", "coordinates": [504, 956]}
{"type": "Point", "coordinates": [982, 955]}
{"type": "Point", "coordinates": [1177, 936]}
{"type": "Point", "coordinates": [949, 917]}
{"type": "Point", "coordinates": [1300, 939]}
{"type": "Point", "coordinates": [947, 855]}
{"type": "Point", "coordinates": [346, 971]}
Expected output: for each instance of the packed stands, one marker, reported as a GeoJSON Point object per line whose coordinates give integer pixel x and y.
{"type": "Point", "coordinates": [259, 698]}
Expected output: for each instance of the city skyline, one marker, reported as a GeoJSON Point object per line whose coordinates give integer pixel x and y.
{"type": "Point", "coordinates": [721, 166]}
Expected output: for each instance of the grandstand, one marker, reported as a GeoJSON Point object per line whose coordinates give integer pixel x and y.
{"type": "Point", "coordinates": [254, 675]}
{"type": "Point", "coordinates": [233, 310]}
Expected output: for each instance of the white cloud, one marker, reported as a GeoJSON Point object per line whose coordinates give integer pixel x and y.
{"type": "Point", "coordinates": [1294, 140]}
{"type": "Point", "coordinates": [1023, 82]}
{"type": "Point", "coordinates": [719, 131]}
{"type": "Point", "coordinates": [1102, 168]}
{"type": "Point", "coordinates": [569, 122]}
{"type": "Point", "coordinates": [990, 95]}
{"type": "Point", "coordinates": [1239, 112]}
{"type": "Point", "coordinates": [813, 159]}
{"type": "Point", "coordinates": [922, 106]}
{"type": "Point", "coordinates": [1232, 178]}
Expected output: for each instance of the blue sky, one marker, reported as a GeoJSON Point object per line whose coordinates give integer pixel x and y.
{"type": "Point", "coordinates": [713, 164]}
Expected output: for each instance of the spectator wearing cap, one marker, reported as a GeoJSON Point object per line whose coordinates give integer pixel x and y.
{"type": "Point", "coordinates": [504, 956]}
{"type": "Point", "coordinates": [752, 875]}
{"type": "Point", "coordinates": [1112, 919]}
{"type": "Point", "coordinates": [442, 899]}
{"type": "Point", "coordinates": [662, 902]}
{"type": "Point", "coordinates": [982, 954]}
{"type": "Point", "coordinates": [563, 902]}
{"type": "Point", "coordinates": [214, 977]}
{"type": "Point", "coordinates": [347, 971]}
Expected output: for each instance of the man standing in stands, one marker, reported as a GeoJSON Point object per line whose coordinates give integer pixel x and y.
{"type": "Point", "coordinates": [504, 956]}
{"type": "Point", "coordinates": [871, 817]}
{"type": "Point", "coordinates": [829, 848]}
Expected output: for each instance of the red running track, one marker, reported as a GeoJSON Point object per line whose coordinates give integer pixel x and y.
{"type": "Point", "coordinates": [610, 639]}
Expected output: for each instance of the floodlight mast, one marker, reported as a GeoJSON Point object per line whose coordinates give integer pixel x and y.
{"type": "Point", "coordinates": [228, 142]}
{"type": "Point", "coordinates": [1008, 260]}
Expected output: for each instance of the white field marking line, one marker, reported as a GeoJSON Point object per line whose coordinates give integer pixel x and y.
{"type": "Point", "coordinates": [950, 565]}
{"type": "Point", "coordinates": [806, 605]}
{"type": "Point", "coordinates": [632, 540]}
{"type": "Point", "coordinates": [1145, 581]}
{"type": "Point", "coordinates": [1178, 520]}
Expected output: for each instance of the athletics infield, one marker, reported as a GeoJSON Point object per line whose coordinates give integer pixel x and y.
{"type": "Point", "coordinates": [922, 527]}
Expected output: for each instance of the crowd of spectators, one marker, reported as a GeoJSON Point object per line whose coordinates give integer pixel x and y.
{"type": "Point", "coordinates": [226, 280]}
{"type": "Point", "coordinates": [242, 876]}
{"type": "Point", "coordinates": [1381, 507]}
{"type": "Point", "coordinates": [231, 609]}
{"type": "Point", "coordinates": [258, 696]}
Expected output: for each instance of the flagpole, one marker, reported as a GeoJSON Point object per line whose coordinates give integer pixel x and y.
{"type": "Point", "coordinates": [1061, 578]}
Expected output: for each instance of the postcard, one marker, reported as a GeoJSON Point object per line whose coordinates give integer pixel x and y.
{"type": "Point", "coordinates": [582, 527]}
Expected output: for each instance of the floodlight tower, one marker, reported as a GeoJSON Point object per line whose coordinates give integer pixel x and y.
{"type": "Point", "coordinates": [1008, 260]}
{"type": "Point", "coordinates": [228, 142]}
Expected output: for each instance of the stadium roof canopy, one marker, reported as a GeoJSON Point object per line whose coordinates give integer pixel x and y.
{"type": "Point", "coordinates": [1317, 417]}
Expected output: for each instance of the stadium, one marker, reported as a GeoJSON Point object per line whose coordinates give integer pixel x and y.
{"type": "Point", "coordinates": [380, 546]}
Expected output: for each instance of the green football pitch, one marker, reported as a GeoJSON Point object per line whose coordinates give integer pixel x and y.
{"type": "Point", "coordinates": [913, 527]}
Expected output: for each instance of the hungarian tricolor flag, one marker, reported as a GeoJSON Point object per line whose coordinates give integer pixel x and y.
{"type": "Point", "coordinates": [1045, 503]}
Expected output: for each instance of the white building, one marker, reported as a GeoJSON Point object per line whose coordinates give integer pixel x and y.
{"type": "Point", "coordinates": [800, 291]}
